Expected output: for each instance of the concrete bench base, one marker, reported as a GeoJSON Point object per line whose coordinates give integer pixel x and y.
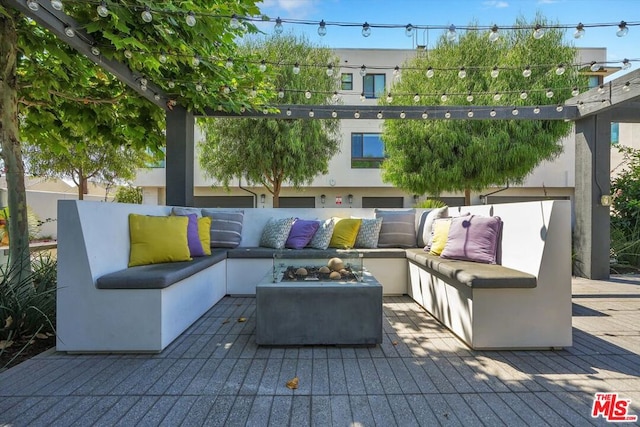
{"type": "Point", "coordinates": [322, 313]}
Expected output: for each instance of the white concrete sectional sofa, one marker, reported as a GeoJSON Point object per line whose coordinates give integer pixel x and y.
{"type": "Point", "coordinates": [130, 316]}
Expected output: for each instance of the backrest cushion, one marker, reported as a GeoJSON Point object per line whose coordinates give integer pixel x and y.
{"type": "Point", "coordinates": [473, 238]}
{"type": "Point", "coordinates": [322, 238]}
{"type": "Point", "coordinates": [204, 233]}
{"type": "Point", "coordinates": [440, 234]}
{"type": "Point", "coordinates": [345, 233]}
{"type": "Point", "coordinates": [276, 232]}
{"type": "Point", "coordinates": [425, 227]}
{"type": "Point", "coordinates": [157, 239]}
{"type": "Point", "coordinates": [180, 211]}
{"type": "Point", "coordinates": [193, 237]}
{"type": "Point", "coordinates": [226, 227]}
{"type": "Point", "coordinates": [369, 233]}
{"type": "Point", "coordinates": [398, 229]}
{"type": "Point", "coordinates": [301, 233]}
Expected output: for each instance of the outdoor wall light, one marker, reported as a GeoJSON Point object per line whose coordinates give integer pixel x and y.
{"type": "Point", "coordinates": [350, 198]}
{"type": "Point", "coordinates": [262, 198]}
{"type": "Point", "coordinates": [323, 198]}
{"type": "Point", "coordinates": [415, 198]}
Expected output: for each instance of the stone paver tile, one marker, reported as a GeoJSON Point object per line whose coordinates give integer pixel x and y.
{"type": "Point", "coordinates": [304, 371]}
{"type": "Point", "coordinates": [300, 411]}
{"type": "Point", "coordinates": [75, 412]}
{"type": "Point", "coordinates": [524, 411]}
{"type": "Point", "coordinates": [219, 377]}
{"type": "Point", "coordinates": [458, 381]}
{"type": "Point", "coordinates": [290, 353]}
{"type": "Point", "coordinates": [178, 411]}
{"type": "Point", "coordinates": [26, 414]}
{"type": "Point", "coordinates": [240, 411]}
{"type": "Point", "coordinates": [502, 410]}
{"type": "Point", "coordinates": [319, 353]}
{"type": "Point", "coordinates": [279, 411]}
{"type": "Point", "coordinates": [107, 379]}
{"type": "Point", "coordinates": [578, 402]}
{"type": "Point", "coordinates": [482, 410]}
{"type": "Point", "coordinates": [361, 411]}
{"type": "Point", "coordinates": [158, 411]}
{"type": "Point", "coordinates": [211, 412]}
{"type": "Point", "coordinates": [348, 353]}
{"type": "Point", "coordinates": [337, 379]}
{"type": "Point", "coordinates": [197, 347]}
{"type": "Point", "coordinates": [460, 409]}
{"type": "Point", "coordinates": [102, 405]}
{"type": "Point", "coordinates": [387, 377]}
{"type": "Point", "coordinates": [370, 377]}
{"type": "Point", "coordinates": [442, 411]}
{"type": "Point", "coordinates": [57, 369]}
{"type": "Point", "coordinates": [401, 410]}
{"type": "Point", "coordinates": [72, 380]}
{"type": "Point", "coordinates": [269, 380]}
{"type": "Point", "coordinates": [438, 378]}
{"type": "Point", "coordinates": [540, 407]}
{"type": "Point", "coordinates": [138, 381]}
{"type": "Point", "coordinates": [252, 379]}
{"type": "Point", "coordinates": [341, 410]}
{"type": "Point", "coordinates": [236, 377]}
{"type": "Point", "coordinates": [250, 349]}
{"type": "Point", "coordinates": [237, 345]}
{"type": "Point", "coordinates": [137, 411]}
{"type": "Point", "coordinates": [422, 411]}
{"type": "Point", "coordinates": [353, 377]}
{"type": "Point", "coordinates": [260, 412]}
{"type": "Point", "coordinates": [321, 411]}
{"type": "Point", "coordinates": [180, 377]}
{"type": "Point", "coordinates": [334, 353]}
{"type": "Point", "coordinates": [122, 405]}
{"type": "Point", "coordinates": [202, 377]}
{"type": "Point", "coordinates": [320, 385]}
{"type": "Point", "coordinates": [477, 379]}
{"type": "Point", "coordinates": [288, 371]}
{"type": "Point", "coordinates": [382, 413]}
{"type": "Point", "coordinates": [419, 375]}
{"type": "Point", "coordinates": [502, 376]}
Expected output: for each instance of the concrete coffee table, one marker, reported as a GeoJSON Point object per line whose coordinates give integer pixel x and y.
{"type": "Point", "coordinates": [328, 312]}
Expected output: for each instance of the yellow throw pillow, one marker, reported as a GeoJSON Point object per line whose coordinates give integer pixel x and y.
{"type": "Point", "coordinates": [440, 234]}
{"type": "Point", "coordinates": [345, 233]}
{"type": "Point", "coordinates": [157, 239]}
{"type": "Point", "coordinates": [204, 232]}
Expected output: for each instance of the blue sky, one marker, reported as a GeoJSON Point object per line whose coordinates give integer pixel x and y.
{"type": "Point", "coordinates": [460, 13]}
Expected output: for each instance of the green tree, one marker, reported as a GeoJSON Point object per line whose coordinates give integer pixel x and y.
{"type": "Point", "coordinates": [434, 156]}
{"type": "Point", "coordinates": [98, 160]}
{"type": "Point", "coordinates": [128, 194]}
{"type": "Point", "coordinates": [47, 84]}
{"type": "Point", "coordinates": [625, 215]}
{"type": "Point", "coordinates": [273, 151]}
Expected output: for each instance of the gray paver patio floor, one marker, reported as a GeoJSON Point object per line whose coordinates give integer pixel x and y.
{"type": "Point", "coordinates": [214, 374]}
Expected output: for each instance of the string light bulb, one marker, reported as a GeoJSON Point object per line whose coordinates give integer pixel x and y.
{"type": "Point", "coordinates": [494, 35]}
{"type": "Point", "coordinates": [234, 23]}
{"type": "Point", "coordinates": [416, 98]}
{"type": "Point", "coordinates": [226, 90]}
{"type": "Point", "coordinates": [470, 113]}
{"type": "Point", "coordinates": [560, 69]}
{"type": "Point", "coordinates": [356, 115]}
{"type": "Point", "coordinates": [451, 33]}
{"type": "Point", "coordinates": [430, 73]}
{"type": "Point", "coordinates": [311, 113]}
{"type": "Point", "coordinates": [409, 30]}
{"type": "Point", "coordinates": [362, 97]}
{"type": "Point", "coordinates": [462, 73]}
{"type": "Point", "coordinates": [329, 71]}
{"type": "Point", "coordinates": [334, 114]}
{"type": "Point", "coordinates": [171, 84]}
{"type": "Point", "coordinates": [623, 30]}
{"type": "Point", "coordinates": [444, 97]}
{"type": "Point", "coordinates": [524, 95]}
{"type": "Point", "coordinates": [425, 115]}
{"type": "Point", "coordinates": [579, 33]}
{"type": "Point", "coordinates": [253, 92]}
{"type": "Point", "coordinates": [527, 71]}
{"type": "Point", "coordinates": [497, 96]}
{"type": "Point", "coordinates": [278, 27]}
{"type": "Point", "coordinates": [190, 19]}
{"type": "Point", "coordinates": [198, 87]}
{"type": "Point", "coordinates": [263, 66]}
{"type": "Point", "coordinates": [559, 108]}
{"type": "Point", "coordinates": [549, 93]}
{"type": "Point", "coordinates": [281, 93]}
{"type": "Point", "coordinates": [492, 113]}
{"type": "Point", "coordinates": [495, 72]}
{"type": "Point", "coordinates": [102, 9]}
{"type": "Point", "coordinates": [195, 61]}
{"type": "Point", "coordinates": [469, 97]}
{"type": "Point", "coordinates": [594, 66]}
{"type": "Point", "coordinates": [296, 68]}
{"type": "Point", "coordinates": [626, 87]}
{"type": "Point", "coordinates": [626, 64]}
{"type": "Point", "coordinates": [575, 91]}
{"type": "Point", "coordinates": [57, 4]}
{"type": "Point", "coordinates": [229, 63]}
{"type": "Point", "coordinates": [162, 58]}
{"type": "Point", "coordinates": [538, 32]}
{"type": "Point", "coordinates": [156, 96]}
{"type": "Point", "coordinates": [389, 98]}
{"type": "Point", "coordinates": [146, 15]}
{"type": "Point", "coordinates": [515, 111]}
{"type": "Point", "coordinates": [379, 115]}
{"type": "Point", "coordinates": [322, 29]}
{"type": "Point", "coordinates": [536, 110]}
{"type": "Point", "coordinates": [95, 50]}
{"type": "Point", "coordinates": [307, 94]}
{"type": "Point", "coordinates": [601, 89]}
{"type": "Point", "coordinates": [403, 114]}
{"type": "Point", "coordinates": [366, 30]}
{"type": "Point", "coordinates": [396, 71]}
{"type": "Point", "coordinates": [69, 32]}
{"type": "Point", "coordinates": [33, 5]}
{"type": "Point", "coordinates": [363, 71]}
{"type": "Point", "coordinates": [128, 54]}
{"type": "Point", "coordinates": [335, 97]}
{"type": "Point", "coordinates": [447, 115]}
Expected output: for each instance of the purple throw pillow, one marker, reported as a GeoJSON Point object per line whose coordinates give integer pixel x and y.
{"type": "Point", "coordinates": [474, 238]}
{"type": "Point", "coordinates": [193, 238]}
{"type": "Point", "coordinates": [301, 233]}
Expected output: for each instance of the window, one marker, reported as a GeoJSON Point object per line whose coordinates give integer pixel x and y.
{"type": "Point", "coordinates": [374, 85]}
{"type": "Point", "coordinates": [594, 81]}
{"type": "Point", "coordinates": [347, 81]}
{"type": "Point", "coordinates": [615, 133]}
{"type": "Point", "coordinates": [367, 150]}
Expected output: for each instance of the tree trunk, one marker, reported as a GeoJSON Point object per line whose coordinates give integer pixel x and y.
{"type": "Point", "coordinates": [19, 265]}
{"type": "Point", "coordinates": [83, 188]}
{"type": "Point", "coordinates": [467, 197]}
{"type": "Point", "coordinates": [276, 194]}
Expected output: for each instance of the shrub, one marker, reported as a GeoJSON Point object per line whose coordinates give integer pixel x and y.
{"type": "Point", "coordinates": [28, 307]}
{"type": "Point", "coordinates": [431, 204]}
{"type": "Point", "coordinates": [33, 222]}
{"type": "Point", "coordinates": [128, 195]}
{"type": "Point", "coordinates": [625, 215]}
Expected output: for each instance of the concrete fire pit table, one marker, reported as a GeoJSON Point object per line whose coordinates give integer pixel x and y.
{"type": "Point", "coordinates": [320, 312]}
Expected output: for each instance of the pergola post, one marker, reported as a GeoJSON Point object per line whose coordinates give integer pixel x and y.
{"type": "Point", "coordinates": [179, 157]}
{"type": "Point", "coordinates": [592, 227]}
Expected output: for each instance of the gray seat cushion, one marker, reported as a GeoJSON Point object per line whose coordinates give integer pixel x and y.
{"type": "Point", "coordinates": [158, 276]}
{"type": "Point", "coordinates": [472, 274]}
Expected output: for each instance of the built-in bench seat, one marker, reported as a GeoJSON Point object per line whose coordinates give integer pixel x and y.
{"type": "Point", "coordinates": [472, 274]}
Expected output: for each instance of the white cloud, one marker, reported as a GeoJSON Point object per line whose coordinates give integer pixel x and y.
{"type": "Point", "coordinates": [292, 8]}
{"type": "Point", "coordinates": [496, 4]}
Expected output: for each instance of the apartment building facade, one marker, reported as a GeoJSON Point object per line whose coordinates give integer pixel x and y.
{"type": "Point", "coordinates": [354, 178]}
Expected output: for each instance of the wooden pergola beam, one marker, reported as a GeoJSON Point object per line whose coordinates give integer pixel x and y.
{"type": "Point", "coordinates": [622, 90]}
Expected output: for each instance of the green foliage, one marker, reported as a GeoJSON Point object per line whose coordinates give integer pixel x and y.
{"type": "Point", "coordinates": [431, 204]}
{"type": "Point", "coordinates": [28, 307]}
{"type": "Point", "coordinates": [33, 221]}
{"type": "Point", "coordinates": [270, 151]}
{"type": "Point", "coordinates": [625, 217]}
{"type": "Point", "coordinates": [434, 156]}
{"type": "Point", "coordinates": [128, 194]}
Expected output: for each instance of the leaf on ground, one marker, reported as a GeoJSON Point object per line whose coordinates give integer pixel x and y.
{"type": "Point", "coordinates": [242, 319]}
{"type": "Point", "coordinates": [293, 384]}
{"type": "Point", "coordinates": [394, 342]}
{"type": "Point", "coordinates": [5, 344]}
{"type": "Point", "coordinates": [8, 322]}
{"type": "Point", "coordinates": [42, 336]}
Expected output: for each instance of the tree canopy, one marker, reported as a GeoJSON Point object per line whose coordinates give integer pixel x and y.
{"type": "Point", "coordinates": [273, 151]}
{"type": "Point", "coordinates": [434, 156]}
